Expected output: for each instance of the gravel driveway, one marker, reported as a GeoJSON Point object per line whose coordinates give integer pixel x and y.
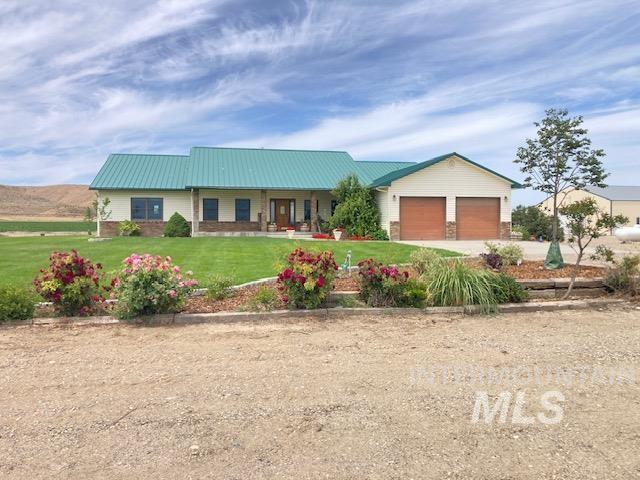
{"type": "Point", "coordinates": [298, 399]}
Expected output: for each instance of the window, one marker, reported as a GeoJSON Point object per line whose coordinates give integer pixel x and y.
{"type": "Point", "coordinates": [243, 209]}
{"type": "Point", "coordinates": [292, 212]}
{"type": "Point", "coordinates": [210, 209]}
{"type": "Point", "coordinates": [307, 209]}
{"type": "Point", "coordinates": [334, 204]}
{"type": "Point", "coordinates": [272, 211]}
{"type": "Point", "coordinates": [146, 209]}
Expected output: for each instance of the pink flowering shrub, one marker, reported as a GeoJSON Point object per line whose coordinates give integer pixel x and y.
{"type": "Point", "coordinates": [384, 286]}
{"type": "Point", "coordinates": [71, 283]}
{"type": "Point", "coordinates": [150, 284]}
{"type": "Point", "coordinates": [306, 280]}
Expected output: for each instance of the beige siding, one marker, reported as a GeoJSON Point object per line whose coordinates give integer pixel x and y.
{"type": "Point", "coordinates": [451, 178]}
{"type": "Point", "coordinates": [382, 199]}
{"type": "Point", "coordinates": [173, 201]}
{"type": "Point", "coordinates": [574, 196]}
{"type": "Point", "coordinates": [628, 208]}
{"type": "Point", "coordinates": [227, 205]}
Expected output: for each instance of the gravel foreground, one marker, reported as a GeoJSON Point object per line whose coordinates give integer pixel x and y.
{"type": "Point", "coordinates": [311, 399]}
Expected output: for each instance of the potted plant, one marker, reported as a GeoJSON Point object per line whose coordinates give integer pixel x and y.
{"type": "Point", "coordinates": [304, 227]}
{"type": "Point", "coordinates": [272, 227]}
{"type": "Point", "coordinates": [337, 233]}
{"type": "Point", "coordinates": [291, 232]}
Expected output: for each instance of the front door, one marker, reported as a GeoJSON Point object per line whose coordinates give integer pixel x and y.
{"type": "Point", "coordinates": [282, 213]}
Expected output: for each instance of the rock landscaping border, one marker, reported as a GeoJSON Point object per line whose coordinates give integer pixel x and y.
{"type": "Point", "coordinates": [319, 314]}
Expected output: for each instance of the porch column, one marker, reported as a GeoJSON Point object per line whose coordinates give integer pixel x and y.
{"type": "Point", "coordinates": [195, 212]}
{"type": "Point", "coordinates": [264, 206]}
{"type": "Point", "coordinates": [314, 212]}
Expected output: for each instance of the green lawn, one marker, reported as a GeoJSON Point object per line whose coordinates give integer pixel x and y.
{"type": "Point", "coordinates": [35, 226]}
{"type": "Point", "coordinates": [245, 258]}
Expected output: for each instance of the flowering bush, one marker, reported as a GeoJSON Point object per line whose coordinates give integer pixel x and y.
{"type": "Point", "coordinates": [383, 286]}
{"type": "Point", "coordinates": [306, 280]}
{"type": "Point", "coordinates": [150, 284]}
{"type": "Point", "coordinates": [71, 283]}
{"type": "Point", "coordinates": [322, 236]}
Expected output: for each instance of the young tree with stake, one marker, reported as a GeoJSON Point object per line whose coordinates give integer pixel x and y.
{"type": "Point", "coordinates": [557, 161]}
{"type": "Point", "coordinates": [585, 221]}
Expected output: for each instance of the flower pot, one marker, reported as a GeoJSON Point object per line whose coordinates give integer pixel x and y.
{"type": "Point", "coordinates": [290, 233]}
{"type": "Point", "coordinates": [337, 234]}
{"type": "Point", "coordinates": [271, 227]}
{"type": "Point", "coordinates": [304, 227]}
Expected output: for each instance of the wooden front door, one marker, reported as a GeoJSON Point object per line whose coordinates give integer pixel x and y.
{"type": "Point", "coordinates": [283, 213]}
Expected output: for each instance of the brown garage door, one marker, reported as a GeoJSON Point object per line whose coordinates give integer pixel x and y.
{"type": "Point", "coordinates": [422, 218]}
{"type": "Point", "coordinates": [477, 218]}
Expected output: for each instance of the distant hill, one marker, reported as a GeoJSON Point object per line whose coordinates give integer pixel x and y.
{"type": "Point", "coordinates": [46, 203]}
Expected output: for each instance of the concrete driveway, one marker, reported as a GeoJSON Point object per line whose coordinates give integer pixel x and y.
{"type": "Point", "coordinates": [532, 250]}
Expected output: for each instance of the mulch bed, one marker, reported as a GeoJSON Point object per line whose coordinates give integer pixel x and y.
{"type": "Point", "coordinates": [535, 269]}
{"type": "Point", "coordinates": [237, 301]}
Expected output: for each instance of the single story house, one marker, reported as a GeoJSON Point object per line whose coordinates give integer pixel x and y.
{"type": "Point", "coordinates": [614, 199]}
{"type": "Point", "coordinates": [245, 189]}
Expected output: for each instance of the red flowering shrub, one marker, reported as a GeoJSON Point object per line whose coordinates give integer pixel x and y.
{"type": "Point", "coordinates": [71, 283]}
{"type": "Point", "coordinates": [306, 280]}
{"type": "Point", "coordinates": [360, 237]}
{"type": "Point", "coordinates": [322, 236]}
{"type": "Point", "coordinates": [383, 286]}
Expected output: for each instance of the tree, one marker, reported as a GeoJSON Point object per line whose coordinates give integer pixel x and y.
{"type": "Point", "coordinates": [558, 160]}
{"type": "Point", "coordinates": [88, 214]}
{"type": "Point", "coordinates": [534, 221]}
{"type": "Point", "coordinates": [101, 207]}
{"type": "Point", "coordinates": [356, 210]}
{"type": "Point", "coordinates": [585, 222]}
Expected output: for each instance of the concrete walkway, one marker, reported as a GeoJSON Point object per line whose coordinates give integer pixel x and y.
{"type": "Point", "coordinates": [532, 250]}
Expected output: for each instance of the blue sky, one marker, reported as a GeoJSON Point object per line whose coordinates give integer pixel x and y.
{"type": "Point", "coordinates": [401, 80]}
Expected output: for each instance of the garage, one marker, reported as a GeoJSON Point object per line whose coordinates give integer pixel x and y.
{"type": "Point", "coordinates": [477, 218]}
{"type": "Point", "coordinates": [422, 218]}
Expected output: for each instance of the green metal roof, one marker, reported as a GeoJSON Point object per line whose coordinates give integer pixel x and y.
{"type": "Point", "coordinates": [265, 168]}
{"type": "Point", "coordinates": [368, 171]}
{"type": "Point", "coordinates": [385, 180]}
{"type": "Point", "coordinates": [124, 171]}
{"type": "Point", "coordinates": [252, 168]}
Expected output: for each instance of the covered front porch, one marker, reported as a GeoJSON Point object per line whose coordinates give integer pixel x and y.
{"type": "Point", "coordinates": [244, 212]}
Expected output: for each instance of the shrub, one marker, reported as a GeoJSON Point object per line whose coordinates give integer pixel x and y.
{"type": "Point", "coordinates": [127, 228]}
{"type": "Point", "coordinates": [306, 280]}
{"type": "Point", "coordinates": [265, 300]}
{"type": "Point", "coordinates": [177, 226]}
{"type": "Point", "coordinates": [321, 236]}
{"type": "Point", "coordinates": [508, 290]}
{"type": "Point", "coordinates": [623, 277]}
{"type": "Point", "coordinates": [71, 283]}
{"type": "Point", "coordinates": [492, 260]}
{"type": "Point", "coordinates": [218, 287]}
{"type": "Point", "coordinates": [356, 211]}
{"type": "Point", "coordinates": [511, 253]}
{"type": "Point", "coordinates": [383, 286]}
{"type": "Point", "coordinates": [535, 222]}
{"type": "Point", "coordinates": [16, 304]}
{"type": "Point", "coordinates": [522, 230]}
{"type": "Point", "coordinates": [423, 259]}
{"type": "Point", "coordinates": [459, 284]}
{"type": "Point", "coordinates": [150, 284]}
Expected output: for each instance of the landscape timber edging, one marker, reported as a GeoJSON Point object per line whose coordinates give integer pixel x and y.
{"type": "Point", "coordinates": [320, 314]}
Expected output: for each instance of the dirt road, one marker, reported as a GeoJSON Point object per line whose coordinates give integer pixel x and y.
{"type": "Point", "coordinates": [346, 399]}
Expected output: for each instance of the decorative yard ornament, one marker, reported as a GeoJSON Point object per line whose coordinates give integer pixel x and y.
{"type": "Point", "coordinates": [559, 160]}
